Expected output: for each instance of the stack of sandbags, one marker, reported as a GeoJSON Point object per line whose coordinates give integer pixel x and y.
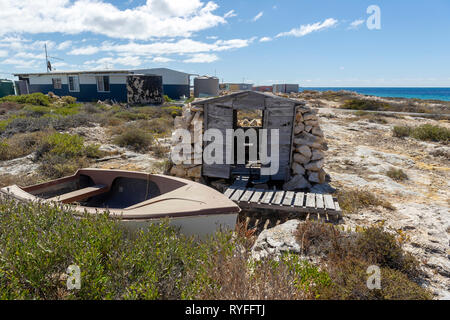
{"type": "Point", "coordinates": [191, 115]}
{"type": "Point", "coordinates": [308, 156]}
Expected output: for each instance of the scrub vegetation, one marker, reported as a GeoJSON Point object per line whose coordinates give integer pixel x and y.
{"type": "Point", "coordinates": [39, 242]}
{"type": "Point", "coordinates": [39, 125]}
{"type": "Point", "coordinates": [426, 132]}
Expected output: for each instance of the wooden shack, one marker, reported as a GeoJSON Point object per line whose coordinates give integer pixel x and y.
{"type": "Point", "coordinates": [257, 110]}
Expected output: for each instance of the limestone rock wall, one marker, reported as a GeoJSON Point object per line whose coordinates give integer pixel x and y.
{"type": "Point", "coordinates": [308, 156]}
{"type": "Point", "coordinates": [190, 116]}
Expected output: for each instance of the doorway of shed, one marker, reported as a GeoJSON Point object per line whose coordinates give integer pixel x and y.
{"type": "Point", "coordinates": [246, 119]}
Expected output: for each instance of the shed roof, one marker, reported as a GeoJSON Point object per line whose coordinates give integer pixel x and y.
{"type": "Point", "coordinates": [246, 93]}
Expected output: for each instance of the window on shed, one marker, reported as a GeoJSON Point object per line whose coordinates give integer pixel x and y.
{"type": "Point", "coordinates": [102, 84]}
{"type": "Point", "coordinates": [57, 84]}
{"type": "Point", "coordinates": [252, 118]}
{"type": "Point", "coordinates": [74, 83]}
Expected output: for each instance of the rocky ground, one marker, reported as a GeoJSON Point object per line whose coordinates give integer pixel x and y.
{"type": "Point", "coordinates": [359, 155]}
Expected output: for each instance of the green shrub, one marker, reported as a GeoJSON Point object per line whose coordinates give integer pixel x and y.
{"type": "Point", "coordinates": [135, 139]}
{"type": "Point", "coordinates": [397, 174]}
{"type": "Point", "coordinates": [38, 243]}
{"type": "Point", "coordinates": [37, 98]}
{"type": "Point", "coordinates": [63, 145]}
{"type": "Point", "coordinates": [173, 111]}
{"type": "Point", "coordinates": [167, 99]}
{"type": "Point", "coordinates": [426, 132]}
{"type": "Point", "coordinates": [401, 131]}
{"type": "Point", "coordinates": [356, 104]}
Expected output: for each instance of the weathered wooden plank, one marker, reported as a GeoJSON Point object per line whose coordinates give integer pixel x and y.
{"type": "Point", "coordinates": [336, 205]}
{"type": "Point", "coordinates": [247, 195]}
{"type": "Point", "coordinates": [229, 191]}
{"type": "Point", "coordinates": [329, 204]}
{"type": "Point", "coordinates": [256, 195]}
{"type": "Point", "coordinates": [310, 200]}
{"type": "Point", "coordinates": [288, 198]}
{"type": "Point", "coordinates": [298, 202]}
{"type": "Point", "coordinates": [237, 194]}
{"type": "Point", "coordinates": [278, 197]}
{"type": "Point", "coordinates": [319, 201]}
{"type": "Point", "coordinates": [80, 194]}
{"type": "Point", "coordinates": [267, 197]}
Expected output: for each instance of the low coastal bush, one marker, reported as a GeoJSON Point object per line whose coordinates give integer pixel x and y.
{"type": "Point", "coordinates": [63, 154]}
{"type": "Point", "coordinates": [347, 255]}
{"type": "Point", "coordinates": [135, 139]}
{"type": "Point", "coordinates": [426, 132]}
{"type": "Point", "coordinates": [352, 200]}
{"type": "Point", "coordinates": [357, 104]}
{"type": "Point", "coordinates": [20, 145]}
{"type": "Point", "coordinates": [397, 174]}
{"type": "Point", "coordinates": [40, 241]}
{"type": "Point", "coordinates": [38, 99]}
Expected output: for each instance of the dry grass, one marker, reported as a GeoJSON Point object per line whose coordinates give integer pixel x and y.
{"type": "Point", "coordinates": [397, 174]}
{"type": "Point", "coordinates": [352, 200]}
{"type": "Point", "coordinates": [346, 257]}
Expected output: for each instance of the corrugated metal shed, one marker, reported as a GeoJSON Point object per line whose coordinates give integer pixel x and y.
{"type": "Point", "coordinates": [206, 86]}
{"type": "Point", "coordinates": [6, 88]}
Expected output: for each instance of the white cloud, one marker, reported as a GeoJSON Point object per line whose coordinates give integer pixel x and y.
{"type": "Point", "coordinates": [29, 55]}
{"type": "Point", "coordinates": [89, 50]}
{"type": "Point", "coordinates": [202, 58]}
{"type": "Point", "coordinates": [230, 14]}
{"type": "Point", "coordinates": [111, 62]}
{"type": "Point", "coordinates": [21, 63]}
{"type": "Point", "coordinates": [65, 45]}
{"type": "Point", "coordinates": [3, 53]}
{"type": "Point", "coordinates": [265, 39]}
{"type": "Point", "coordinates": [161, 59]}
{"type": "Point", "coordinates": [183, 46]}
{"type": "Point", "coordinates": [303, 30]}
{"type": "Point", "coordinates": [258, 16]}
{"type": "Point", "coordinates": [356, 24]}
{"type": "Point", "coordinates": [154, 19]}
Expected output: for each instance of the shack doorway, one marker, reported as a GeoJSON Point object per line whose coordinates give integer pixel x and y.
{"type": "Point", "coordinates": [250, 122]}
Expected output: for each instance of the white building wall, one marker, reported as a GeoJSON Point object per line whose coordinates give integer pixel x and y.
{"type": "Point", "coordinates": [84, 78]}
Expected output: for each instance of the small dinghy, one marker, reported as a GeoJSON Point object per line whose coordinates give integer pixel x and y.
{"type": "Point", "coordinates": [138, 199]}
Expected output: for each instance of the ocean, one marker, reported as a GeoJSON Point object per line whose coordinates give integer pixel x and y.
{"type": "Point", "coordinates": [411, 93]}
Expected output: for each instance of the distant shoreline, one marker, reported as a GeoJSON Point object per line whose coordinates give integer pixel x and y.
{"type": "Point", "coordinates": [432, 94]}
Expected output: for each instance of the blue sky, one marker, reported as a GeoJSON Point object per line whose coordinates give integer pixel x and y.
{"type": "Point", "coordinates": [313, 43]}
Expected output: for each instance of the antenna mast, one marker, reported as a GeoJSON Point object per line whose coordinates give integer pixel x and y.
{"type": "Point", "coordinates": [47, 63]}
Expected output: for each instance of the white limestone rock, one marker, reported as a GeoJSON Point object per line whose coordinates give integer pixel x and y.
{"type": "Point", "coordinates": [315, 165]}
{"type": "Point", "coordinates": [296, 182]}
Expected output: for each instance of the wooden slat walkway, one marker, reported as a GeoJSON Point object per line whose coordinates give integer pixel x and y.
{"type": "Point", "coordinates": [310, 203]}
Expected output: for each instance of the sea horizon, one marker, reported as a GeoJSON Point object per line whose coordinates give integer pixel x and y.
{"type": "Point", "coordinates": [423, 93]}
